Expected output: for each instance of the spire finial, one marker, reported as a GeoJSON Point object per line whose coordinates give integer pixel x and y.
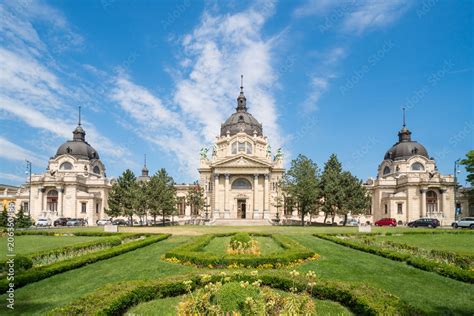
{"type": "Point", "coordinates": [145, 161]}
{"type": "Point", "coordinates": [242, 83]}
{"type": "Point", "coordinates": [404, 122]}
{"type": "Point", "coordinates": [79, 123]}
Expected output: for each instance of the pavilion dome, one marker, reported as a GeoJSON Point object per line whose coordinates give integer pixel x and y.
{"type": "Point", "coordinates": [78, 147]}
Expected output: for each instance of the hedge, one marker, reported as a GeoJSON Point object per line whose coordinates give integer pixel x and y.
{"type": "Point", "coordinates": [192, 253]}
{"type": "Point", "coordinates": [43, 272]}
{"type": "Point", "coordinates": [116, 299]}
{"type": "Point", "coordinates": [446, 270]}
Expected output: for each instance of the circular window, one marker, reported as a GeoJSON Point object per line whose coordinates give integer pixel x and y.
{"type": "Point", "coordinates": [417, 167]}
{"type": "Point", "coordinates": [66, 166]}
{"type": "Point", "coordinates": [241, 184]}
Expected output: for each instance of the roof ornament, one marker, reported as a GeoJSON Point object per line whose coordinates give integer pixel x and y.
{"type": "Point", "coordinates": [79, 123]}
{"type": "Point", "coordinates": [241, 84]}
{"type": "Point", "coordinates": [241, 100]}
{"type": "Point", "coordinates": [404, 123]}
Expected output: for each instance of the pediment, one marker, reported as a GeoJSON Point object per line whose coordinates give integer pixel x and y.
{"type": "Point", "coordinates": [242, 161]}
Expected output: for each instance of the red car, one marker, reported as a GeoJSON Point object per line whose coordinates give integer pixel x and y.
{"type": "Point", "coordinates": [386, 222]}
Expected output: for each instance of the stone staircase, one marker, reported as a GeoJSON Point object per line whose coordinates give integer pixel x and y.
{"type": "Point", "coordinates": [240, 222]}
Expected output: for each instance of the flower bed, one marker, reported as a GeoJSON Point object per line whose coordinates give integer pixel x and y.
{"type": "Point", "coordinates": [243, 244]}
{"type": "Point", "coordinates": [38, 273]}
{"type": "Point", "coordinates": [192, 254]}
{"type": "Point", "coordinates": [117, 298]}
{"type": "Point", "coordinates": [445, 263]}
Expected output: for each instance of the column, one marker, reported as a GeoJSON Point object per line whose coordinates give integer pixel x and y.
{"type": "Point", "coordinates": [423, 202]}
{"type": "Point", "coordinates": [266, 195]}
{"type": "Point", "coordinates": [216, 194]}
{"type": "Point", "coordinates": [226, 194]}
{"type": "Point", "coordinates": [255, 188]}
{"type": "Point", "coordinates": [60, 202]}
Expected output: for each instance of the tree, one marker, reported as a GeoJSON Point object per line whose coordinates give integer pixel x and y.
{"type": "Point", "coordinates": [331, 187]}
{"type": "Point", "coordinates": [22, 220]}
{"type": "Point", "coordinates": [196, 198]}
{"type": "Point", "coordinates": [4, 217]}
{"type": "Point", "coordinates": [140, 199]}
{"type": "Point", "coordinates": [469, 163]}
{"type": "Point", "coordinates": [355, 199]}
{"type": "Point", "coordinates": [121, 196]}
{"type": "Point", "coordinates": [301, 182]}
{"type": "Point", "coordinates": [161, 195]}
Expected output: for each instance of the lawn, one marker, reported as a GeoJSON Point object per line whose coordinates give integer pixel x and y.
{"type": "Point", "coordinates": [28, 244]}
{"type": "Point", "coordinates": [430, 292]}
{"type": "Point", "coordinates": [460, 243]}
{"type": "Point", "coordinates": [219, 245]}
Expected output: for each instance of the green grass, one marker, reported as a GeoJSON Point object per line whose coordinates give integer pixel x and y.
{"type": "Point", "coordinates": [28, 244]}
{"type": "Point", "coordinates": [460, 243]}
{"type": "Point", "coordinates": [167, 307]}
{"type": "Point", "coordinates": [428, 291]}
{"type": "Point", "coordinates": [218, 245]}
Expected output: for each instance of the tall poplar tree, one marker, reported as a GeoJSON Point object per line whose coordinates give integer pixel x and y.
{"type": "Point", "coordinates": [122, 195]}
{"type": "Point", "coordinates": [301, 183]}
{"type": "Point", "coordinates": [161, 195]}
{"type": "Point", "coordinates": [331, 187]}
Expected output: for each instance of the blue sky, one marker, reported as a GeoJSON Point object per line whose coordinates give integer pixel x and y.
{"type": "Point", "coordinates": [159, 77]}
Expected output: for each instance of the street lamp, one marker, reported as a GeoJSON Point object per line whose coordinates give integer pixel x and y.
{"type": "Point", "coordinates": [28, 171]}
{"type": "Point", "coordinates": [456, 165]}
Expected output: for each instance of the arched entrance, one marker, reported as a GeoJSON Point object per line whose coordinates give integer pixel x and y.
{"type": "Point", "coordinates": [431, 202]}
{"type": "Point", "coordinates": [52, 201]}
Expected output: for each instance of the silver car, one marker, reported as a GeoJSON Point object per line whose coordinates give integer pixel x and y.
{"type": "Point", "coordinates": [465, 222]}
{"type": "Point", "coordinates": [43, 222]}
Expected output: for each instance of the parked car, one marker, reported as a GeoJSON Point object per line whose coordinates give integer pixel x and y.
{"type": "Point", "coordinates": [350, 222]}
{"type": "Point", "coordinates": [76, 222]}
{"type": "Point", "coordinates": [386, 222]}
{"type": "Point", "coordinates": [119, 222]}
{"type": "Point", "coordinates": [424, 222]}
{"type": "Point", "coordinates": [102, 222]}
{"type": "Point", "coordinates": [43, 222]}
{"type": "Point", "coordinates": [62, 221]}
{"type": "Point", "coordinates": [465, 222]}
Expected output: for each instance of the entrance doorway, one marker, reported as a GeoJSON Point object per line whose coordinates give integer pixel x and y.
{"type": "Point", "coordinates": [241, 208]}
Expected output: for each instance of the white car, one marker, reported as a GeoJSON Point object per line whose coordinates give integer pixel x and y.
{"type": "Point", "coordinates": [44, 222]}
{"type": "Point", "coordinates": [102, 222]}
{"type": "Point", "coordinates": [465, 222]}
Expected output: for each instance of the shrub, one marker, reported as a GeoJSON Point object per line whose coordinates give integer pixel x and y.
{"type": "Point", "coordinates": [21, 263]}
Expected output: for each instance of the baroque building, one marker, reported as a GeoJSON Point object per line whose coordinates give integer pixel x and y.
{"type": "Point", "coordinates": [408, 185]}
{"type": "Point", "coordinates": [240, 177]}
{"type": "Point", "coordinates": [74, 185]}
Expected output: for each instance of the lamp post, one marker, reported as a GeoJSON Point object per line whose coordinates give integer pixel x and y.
{"type": "Point", "coordinates": [28, 171]}
{"type": "Point", "coordinates": [456, 165]}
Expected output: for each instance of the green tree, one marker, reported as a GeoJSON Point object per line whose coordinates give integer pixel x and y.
{"type": "Point", "coordinates": [121, 197]}
{"type": "Point", "coordinates": [331, 187]}
{"type": "Point", "coordinates": [301, 182]}
{"type": "Point", "coordinates": [161, 195]}
{"type": "Point", "coordinates": [4, 217]}
{"type": "Point", "coordinates": [355, 199]}
{"type": "Point", "coordinates": [22, 220]}
{"type": "Point", "coordinates": [196, 198]}
{"type": "Point", "coordinates": [140, 200]}
{"type": "Point", "coordinates": [469, 163]}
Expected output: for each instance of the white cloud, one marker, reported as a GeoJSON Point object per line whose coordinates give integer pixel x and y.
{"type": "Point", "coordinates": [12, 177]}
{"type": "Point", "coordinates": [14, 152]}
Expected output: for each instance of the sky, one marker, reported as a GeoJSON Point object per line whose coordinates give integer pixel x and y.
{"type": "Point", "coordinates": [159, 77]}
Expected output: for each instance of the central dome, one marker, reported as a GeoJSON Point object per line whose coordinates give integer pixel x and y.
{"type": "Point", "coordinates": [78, 147]}
{"type": "Point", "coordinates": [241, 120]}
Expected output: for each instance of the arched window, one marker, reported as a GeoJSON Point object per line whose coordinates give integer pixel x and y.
{"type": "Point", "coordinates": [386, 170]}
{"type": "Point", "coordinates": [241, 184]}
{"type": "Point", "coordinates": [417, 166]}
{"type": "Point", "coordinates": [431, 202]}
{"type": "Point", "coordinates": [96, 170]}
{"type": "Point", "coordinates": [52, 201]}
{"type": "Point", "coordinates": [66, 166]}
{"type": "Point", "coordinates": [244, 147]}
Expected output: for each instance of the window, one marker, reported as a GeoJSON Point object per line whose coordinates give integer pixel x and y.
{"type": "Point", "coordinates": [52, 201]}
{"type": "Point", "coordinates": [288, 206]}
{"type": "Point", "coordinates": [83, 207]}
{"type": "Point", "coordinates": [386, 170]}
{"type": "Point", "coordinates": [97, 208]}
{"type": "Point", "coordinates": [96, 170]}
{"type": "Point", "coordinates": [417, 167]}
{"type": "Point", "coordinates": [241, 146]}
{"type": "Point", "coordinates": [26, 207]}
{"type": "Point", "coordinates": [241, 184]}
{"type": "Point", "coordinates": [244, 147]}
{"type": "Point", "coordinates": [234, 148]}
{"type": "Point", "coordinates": [431, 202]}
{"type": "Point", "coordinates": [181, 206]}
{"type": "Point", "coordinates": [386, 209]}
{"type": "Point", "coordinates": [249, 148]}
{"type": "Point", "coordinates": [66, 166]}
{"type": "Point", "coordinates": [399, 208]}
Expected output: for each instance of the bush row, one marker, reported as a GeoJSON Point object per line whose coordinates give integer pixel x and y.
{"type": "Point", "coordinates": [443, 269]}
{"type": "Point", "coordinates": [192, 253]}
{"type": "Point", "coordinates": [115, 299]}
{"type": "Point", "coordinates": [43, 272]}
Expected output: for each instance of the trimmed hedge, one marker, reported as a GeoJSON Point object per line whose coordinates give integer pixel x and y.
{"type": "Point", "coordinates": [192, 253]}
{"type": "Point", "coordinates": [446, 270]}
{"type": "Point", "coordinates": [43, 272]}
{"type": "Point", "coordinates": [115, 299]}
